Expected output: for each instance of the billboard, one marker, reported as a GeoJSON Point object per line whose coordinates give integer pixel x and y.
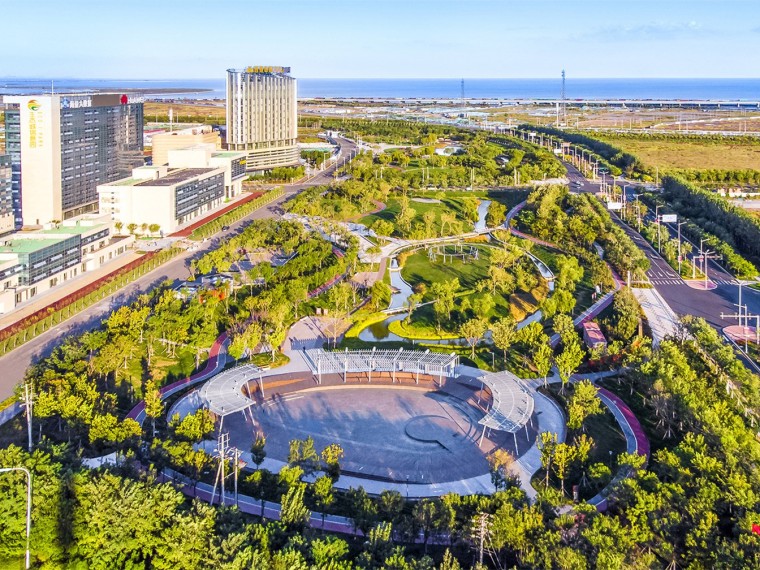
{"type": "Point", "coordinates": [614, 205]}
{"type": "Point", "coordinates": [669, 218]}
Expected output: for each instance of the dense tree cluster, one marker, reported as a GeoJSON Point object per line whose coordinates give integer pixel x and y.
{"type": "Point", "coordinates": [715, 216]}
{"type": "Point", "coordinates": [575, 222]}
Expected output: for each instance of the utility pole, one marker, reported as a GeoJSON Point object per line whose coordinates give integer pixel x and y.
{"type": "Point", "coordinates": [221, 449]}
{"type": "Point", "coordinates": [237, 468]}
{"type": "Point", "coordinates": [28, 403]}
{"type": "Point", "coordinates": [481, 531]}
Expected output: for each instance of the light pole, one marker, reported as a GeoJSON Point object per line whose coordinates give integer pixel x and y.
{"type": "Point", "coordinates": [679, 247]}
{"type": "Point", "coordinates": [28, 506]}
{"type": "Point", "coordinates": [657, 218]}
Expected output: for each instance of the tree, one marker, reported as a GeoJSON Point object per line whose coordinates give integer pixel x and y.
{"type": "Point", "coordinates": [583, 403]}
{"type": "Point", "coordinates": [563, 457]}
{"type": "Point", "coordinates": [381, 294]}
{"type": "Point", "coordinates": [154, 406]}
{"type": "Point", "coordinates": [302, 454]}
{"type": "Point", "coordinates": [568, 361]}
{"type": "Point", "coordinates": [154, 228]}
{"type": "Point", "coordinates": [432, 515]}
{"type": "Point", "coordinates": [412, 301]}
{"type": "Point", "coordinates": [472, 331]}
{"type": "Point", "coordinates": [193, 427]}
{"type": "Point", "coordinates": [293, 512]}
{"type": "Point", "coordinates": [503, 334]}
{"type": "Point", "coordinates": [500, 461]}
{"type": "Point", "coordinates": [625, 315]}
{"type": "Point", "coordinates": [363, 508]}
{"type": "Point", "coordinates": [563, 325]}
{"type": "Point", "coordinates": [429, 219]}
{"type": "Point", "coordinates": [383, 228]}
{"type": "Point", "coordinates": [323, 494]}
{"type": "Point", "coordinates": [258, 451]}
{"type": "Point", "coordinates": [132, 227]}
{"type": "Point", "coordinates": [547, 443]}
{"type": "Point", "coordinates": [118, 226]}
{"type": "Point", "coordinates": [542, 359]}
{"type": "Point", "coordinates": [331, 456]}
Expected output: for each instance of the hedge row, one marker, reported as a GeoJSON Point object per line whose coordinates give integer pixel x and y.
{"type": "Point", "coordinates": [215, 225]}
{"type": "Point", "coordinates": [58, 316]}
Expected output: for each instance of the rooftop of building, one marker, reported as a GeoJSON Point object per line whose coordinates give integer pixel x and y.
{"type": "Point", "coordinates": [72, 230]}
{"type": "Point", "coordinates": [173, 177]}
{"type": "Point", "coordinates": [176, 177]}
{"type": "Point", "coordinates": [262, 69]}
{"type": "Point", "coordinates": [20, 245]}
{"type": "Point", "coordinates": [227, 154]}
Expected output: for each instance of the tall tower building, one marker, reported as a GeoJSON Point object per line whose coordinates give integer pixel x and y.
{"type": "Point", "coordinates": [7, 219]}
{"type": "Point", "coordinates": [262, 117]}
{"type": "Point", "coordinates": [63, 146]}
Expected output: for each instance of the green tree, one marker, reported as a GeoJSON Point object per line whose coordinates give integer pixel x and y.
{"type": "Point", "coordinates": [500, 461]}
{"type": "Point", "coordinates": [323, 494]}
{"type": "Point", "coordinates": [504, 333]}
{"type": "Point", "coordinates": [568, 361]}
{"type": "Point", "coordinates": [543, 358]}
{"type": "Point", "coordinates": [583, 403]}
{"type": "Point", "coordinates": [331, 456]}
{"type": "Point", "coordinates": [258, 451]}
{"type": "Point", "coordinates": [472, 331]}
{"type": "Point", "coordinates": [563, 457]}
{"type": "Point", "coordinates": [293, 511]}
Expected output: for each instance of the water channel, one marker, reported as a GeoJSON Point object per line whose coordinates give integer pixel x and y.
{"type": "Point", "coordinates": [379, 332]}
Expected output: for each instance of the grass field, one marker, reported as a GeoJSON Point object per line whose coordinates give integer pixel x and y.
{"type": "Point", "coordinates": [690, 154]}
{"type": "Point", "coordinates": [447, 204]}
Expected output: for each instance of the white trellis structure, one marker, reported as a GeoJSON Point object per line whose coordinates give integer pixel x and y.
{"type": "Point", "coordinates": [511, 404]}
{"type": "Point", "coordinates": [410, 361]}
{"type": "Point", "coordinates": [224, 393]}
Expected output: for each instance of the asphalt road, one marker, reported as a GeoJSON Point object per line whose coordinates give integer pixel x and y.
{"type": "Point", "coordinates": [13, 366]}
{"type": "Point", "coordinates": [683, 299]}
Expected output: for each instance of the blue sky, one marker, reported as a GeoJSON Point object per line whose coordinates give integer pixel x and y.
{"type": "Point", "coordinates": [170, 39]}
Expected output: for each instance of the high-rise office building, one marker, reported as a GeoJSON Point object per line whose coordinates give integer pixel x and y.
{"type": "Point", "coordinates": [63, 146]}
{"type": "Point", "coordinates": [7, 221]}
{"type": "Point", "coordinates": [262, 117]}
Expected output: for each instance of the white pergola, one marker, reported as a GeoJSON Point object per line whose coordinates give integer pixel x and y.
{"type": "Point", "coordinates": [511, 404]}
{"type": "Point", "coordinates": [223, 394]}
{"type": "Point", "coordinates": [413, 361]}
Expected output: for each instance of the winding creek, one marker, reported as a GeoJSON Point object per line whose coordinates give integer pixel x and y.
{"type": "Point", "coordinates": [379, 332]}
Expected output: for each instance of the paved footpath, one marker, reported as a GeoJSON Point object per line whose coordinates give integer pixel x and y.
{"type": "Point", "coordinates": [662, 319]}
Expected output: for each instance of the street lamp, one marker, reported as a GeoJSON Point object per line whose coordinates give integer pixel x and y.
{"type": "Point", "coordinates": [679, 247]}
{"type": "Point", "coordinates": [28, 505]}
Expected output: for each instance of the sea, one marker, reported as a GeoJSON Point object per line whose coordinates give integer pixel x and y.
{"type": "Point", "coordinates": [310, 88]}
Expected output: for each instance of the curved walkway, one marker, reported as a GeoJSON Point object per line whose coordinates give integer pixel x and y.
{"type": "Point", "coordinates": [635, 438]}
{"type": "Point", "coordinates": [594, 309]}
{"type": "Point", "coordinates": [217, 358]}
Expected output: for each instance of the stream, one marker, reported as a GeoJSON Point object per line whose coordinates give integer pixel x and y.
{"type": "Point", "coordinates": [378, 332]}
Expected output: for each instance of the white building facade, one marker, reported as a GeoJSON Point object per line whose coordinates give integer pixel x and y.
{"type": "Point", "coordinates": [262, 117]}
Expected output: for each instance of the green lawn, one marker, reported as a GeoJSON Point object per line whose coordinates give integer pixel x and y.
{"type": "Point", "coordinates": [419, 269]}
{"type": "Point", "coordinates": [448, 204]}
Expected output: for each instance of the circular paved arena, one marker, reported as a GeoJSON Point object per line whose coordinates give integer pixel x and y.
{"type": "Point", "coordinates": [390, 433]}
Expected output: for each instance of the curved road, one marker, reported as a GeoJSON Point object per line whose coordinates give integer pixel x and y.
{"type": "Point", "coordinates": [15, 364]}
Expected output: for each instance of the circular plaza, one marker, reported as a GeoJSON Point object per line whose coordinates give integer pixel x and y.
{"type": "Point", "coordinates": [401, 417]}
